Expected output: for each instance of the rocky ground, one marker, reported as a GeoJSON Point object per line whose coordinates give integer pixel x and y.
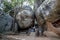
{"type": "Point", "coordinates": [50, 36]}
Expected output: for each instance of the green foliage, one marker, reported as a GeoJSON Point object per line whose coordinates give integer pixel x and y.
{"type": "Point", "coordinates": [8, 6]}
{"type": "Point", "coordinates": [14, 3]}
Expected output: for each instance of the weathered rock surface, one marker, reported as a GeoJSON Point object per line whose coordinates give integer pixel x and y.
{"type": "Point", "coordinates": [25, 17]}
{"type": "Point", "coordinates": [5, 22]}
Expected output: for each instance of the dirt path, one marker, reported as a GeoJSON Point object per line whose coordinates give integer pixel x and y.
{"type": "Point", "coordinates": [50, 36]}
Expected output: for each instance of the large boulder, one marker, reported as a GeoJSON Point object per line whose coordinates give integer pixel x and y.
{"type": "Point", "coordinates": [49, 10]}
{"type": "Point", "coordinates": [44, 11]}
{"type": "Point", "coordinates": [5, 22]}
{"type": "Point", "coordinates": [25, 18]}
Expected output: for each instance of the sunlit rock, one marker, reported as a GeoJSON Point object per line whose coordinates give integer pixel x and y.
{"type": "Point", "coordinates": [25, 18]}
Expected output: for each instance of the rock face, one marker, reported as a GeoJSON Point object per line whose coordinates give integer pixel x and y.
{"type": "Point", "coordinates": [44, 10]}
{"type": "Point", "coordinates": [5, 22]}
{"type": "Point", "coordinates": [48, 10]}
{"type": "Point", "coordinates": [25, 18]}
{"type": "Point", "coordinates": [55, 12]}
